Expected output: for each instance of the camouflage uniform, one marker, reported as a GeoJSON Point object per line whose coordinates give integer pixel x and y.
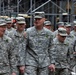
{"type": "Point", "coordinates": [70, 38]}
{"type": "Point", "coordinates": [72, 61]}
{"type": "Point", "coordinates": [73, 33]}
{"type": "Point", "coordinates": [38, 45]}
{"type": "Point", "coordinates": [19, 42]}
{"type": "Point", "coordinates": [7, 56]}
{"type": "Point", "coordinates": [55, 33]}
{"type": "Point", "coordinates": [9, 31]}
{"type": "Point", "coordinates": [74, 29]}
{"type": "Point", "coordinates": [59, 24]}
{"type": "Point", "coordinates": [62, 53]}
{"type": "Point", "coordinates": [74, 56]}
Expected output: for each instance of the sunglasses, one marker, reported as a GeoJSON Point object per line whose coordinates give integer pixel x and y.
{"type": "Point", "coordinates": [63, 36]}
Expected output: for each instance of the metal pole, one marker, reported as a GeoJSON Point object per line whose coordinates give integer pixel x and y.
{"type": "Point", "coordinates": [3, 8]}
{"type": "Point", "coordinates": [18, 2]}
{"type": "Point", "coordinates": [31, 13]}
{"type": "Point", "coordinates": [48, 8]}
{"type": "Point", "coordinates": [41, 6]}
{"type": "Point", "coordinates": [0, 7]}
{"type": "Point", "coordinates": [68, 10]}
{"type": "Point", "coordinates": [72, 12]}
{"type": "Point", "coordinates": [58, 6]}
{"type": "Point", "coordinates": [60, 11]}
{"type": "Point", "coordinates": [34, 4]}
{"type": "Point", "coordinates": [46, 3]}
{"type": "Point", "coordinates": [53, 7]}
{"type": "Point", "coordinates": [8, 7]}
{"type": "Point", "coordinates": [17, 6]}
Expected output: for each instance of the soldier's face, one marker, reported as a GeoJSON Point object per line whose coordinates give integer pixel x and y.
{"type": "Point", "coordinates": [68, 29]}
{"type": "Point", "coordinates": [61, 38]}
{"type": "Point", "coordinates": [20, 27]}
{"type": "Point", "coordinates": [9, 25]}
{"type": "Point", "coordinates": [47, 26]}
{"type": "Point", "coordinates": [2, 29]}
{"type": "Point", "coordinates": [39, 22]}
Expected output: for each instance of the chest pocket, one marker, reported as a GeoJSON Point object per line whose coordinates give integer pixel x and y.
{"type": "Point", "coordinates": [39, 39]}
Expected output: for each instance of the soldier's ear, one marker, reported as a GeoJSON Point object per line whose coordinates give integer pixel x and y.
{"type": "Point", "coordinates": [44, 19]}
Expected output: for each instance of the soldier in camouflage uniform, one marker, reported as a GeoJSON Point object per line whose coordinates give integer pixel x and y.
{"type": "Point", "coordinates": [7, 54]}
{"type": "Point", "coordinates": [19, 42]}
{"type": "Point", "coordinates": [59, 24]}
{"type": "Point", "coordinates": [39, 40]}
{"type": "Point", "coordinates": [62, 52]}
{"type": "Point", "coordinates": [9, 28]}
{"type": "Point", "coordinates": [73, 32]}
{"type": "Point", "coordinates": [73, 56]}
{"type": "Point", "coordinates": [69, 38]}
{"type": "Point", "coordinates": [48, 25]}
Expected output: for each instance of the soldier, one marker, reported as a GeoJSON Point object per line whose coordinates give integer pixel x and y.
{"type": "Point", "coordinates": [74, 31]}
{"type": "Point", "coordinates": [61, 49]}
{"type": "Point", "coordinates": [70, 36]}
{"type": "Point", "coordinates": [39, 40]}
{"type": "Point", "coordinates": [48, 25]}
{"type": "Point", "coordinates": [73, 56]}
{"type": "Point", "coordinates": [9, 28]}
{"type": "Point", "coordinates": [19, 42]}
{"type": "Point", "coordinates": [7, 54]}
{"type": "Point", "coordinates": [70, 39]}
{"type": "Point", "coordinates": [60, 24]}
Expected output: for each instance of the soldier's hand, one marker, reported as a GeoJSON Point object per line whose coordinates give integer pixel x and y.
{"type": "Point", "coordinates": [13, 73]}
{"type": "Point", "coordinates": [22, 69]}
{"type": "Point", "coordinates": [74, 52]}
{"type": "Point", "coordinates": [52, 67]}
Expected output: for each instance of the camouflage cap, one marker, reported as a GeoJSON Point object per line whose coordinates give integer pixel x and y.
{"type": "Point", "coordinates": [46, 23]}
{"type": "Point", "coordinates": [74, 23]}
{"type": "Point", "coordinates": [20, 20]}
{"type": "Point", "coordinates": [39, 15]}
{"type": "Point", "coordinates": [62, 31]}
{"type": "Point", "coordinates": [8, 20]}
{"type": "Point", "coordinates": [68, 25]}
{"type": "Point", "coordinates": [60, 23]}
{"type": "Point", "coordinates": [2, 22]}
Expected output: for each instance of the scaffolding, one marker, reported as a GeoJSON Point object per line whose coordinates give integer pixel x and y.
{"type": "Point", "coordinates": [54, 9]}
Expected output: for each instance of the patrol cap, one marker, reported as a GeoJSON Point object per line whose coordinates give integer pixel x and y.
{"type": "Point", "coordinates": [60, 23]}
{"type": "Point", "coordinates": [46, 23]}
{"type": "Point", "coordinates": [62, 31]}
{"type": "Point", "coordinates": [2, 22]}
{"type": "Point", "coordinates": [74, 23]}
{"type": "Point", "coordinates": [20, 20]}
{"type": "Point", "coordinates": [8, 20]}
{"type": "Point", "coordinates": [68, 25]}
{"type": "Point", "coordinates": [39, 15]}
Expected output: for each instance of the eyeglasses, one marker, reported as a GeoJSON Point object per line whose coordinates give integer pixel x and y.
{"type": "Point", "coordinates": [63, 36]}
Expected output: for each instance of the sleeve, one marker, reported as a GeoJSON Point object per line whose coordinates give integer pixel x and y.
{"type": "Point", "coordinates": [26, 41]}
{"type": "Point", "coordinates": [71, 50]}
{"type": "Point", "coordinates": [22, 52]}
{"type": "Point", "coordinates": [52, 52]}
{"type": "Point", "coordinates": [12, 57]}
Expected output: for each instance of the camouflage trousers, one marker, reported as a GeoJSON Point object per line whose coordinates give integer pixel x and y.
{"type": "Point", "coordinates": [61, 71]}
{"type": "Point", "coordinates": [31, 70]}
